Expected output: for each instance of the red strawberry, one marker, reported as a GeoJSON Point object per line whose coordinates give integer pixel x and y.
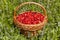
{"type": "Point", "coordinates": [30, 17]}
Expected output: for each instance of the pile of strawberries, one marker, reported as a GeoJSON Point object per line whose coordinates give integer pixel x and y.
{"type": "Point", "coordinates": [30, 17]}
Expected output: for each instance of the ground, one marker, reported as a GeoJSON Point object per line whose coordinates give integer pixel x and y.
{"type": "Point", "coordinates": [51, 30]}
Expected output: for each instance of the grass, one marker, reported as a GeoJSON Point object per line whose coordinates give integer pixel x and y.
{"type": "Point", "coordinates": [50, 32]}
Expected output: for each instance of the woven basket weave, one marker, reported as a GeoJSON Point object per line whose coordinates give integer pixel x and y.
{"type": "Point", "coordinates": [32, 27]}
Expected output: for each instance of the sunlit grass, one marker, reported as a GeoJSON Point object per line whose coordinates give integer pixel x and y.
{"type": "Point", "coordinates": [50, 32]}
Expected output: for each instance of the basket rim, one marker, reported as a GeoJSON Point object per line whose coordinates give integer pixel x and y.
{"type": "Point", "coordinates": [30, 24]}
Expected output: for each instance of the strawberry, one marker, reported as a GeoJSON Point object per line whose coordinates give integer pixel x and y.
{"type": "Point", "coordinates": [30, 17]}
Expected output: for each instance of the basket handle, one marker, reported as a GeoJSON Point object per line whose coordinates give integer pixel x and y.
{"type": "Point", "coordinates": [30, 3]}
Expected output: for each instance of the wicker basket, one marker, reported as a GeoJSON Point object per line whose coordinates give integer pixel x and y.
{"type": "Point", "coordinates": [27, 27]}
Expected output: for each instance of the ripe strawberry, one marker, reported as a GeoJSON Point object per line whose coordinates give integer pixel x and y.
{"type": "Point", "coordinates": [30, 17]}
